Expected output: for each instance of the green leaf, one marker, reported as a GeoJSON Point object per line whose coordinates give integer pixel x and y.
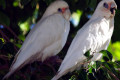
{"type": "Point", "coordinates": [90, 57]}
{"type": "Point", "coordinates": [94, 65]}
{"type": "Point", "coordinates": [109, 55]}
{"type": "Point", "coordinates": [92, 4]}
{"type": "Point", "coordinates": [73, 78]}
{"type": "Point", "coordinates": [103, 73]}
{"type": "Point", "coordinates": [109, 77]}
{"type": "Point", "coordinates": [87, 54]}
{"type": "Point", "coordinates": [117, 63]}
{"type": "Point", "coordinates": [110, 67]}
{"type": "Point", "coordinates": [16, 3]}
{"type": "Point", "coordinates": [18, 45]}
{"type": "Point", "coordinates": [24, 2]}
{"type": "Point", "coordinates": [98, 64]}
{"type": "Point", "coordinates": [1, 42]}
{"type": "Point", "coordinates": [91, 76]}
{"type": "Point", "coordinates": [83, 75]}
{"type": "Point", "coordinates": [4, 19]}
{"type": "Point", "coordinates": [106, 55]}
{"type": "Point", "coordinates": [106, 65]}
{"type": "Point", "coordinates": [105, 58]}
{"type": "Point", "coordinates": [34, 3]}
{"type": "Point", "coordinates": [103, 51]}
{"type": "Point", "coordinates": [116, 50]}
{"type": "Point", "coordinates": [90, 70]}
{"type": "Point", "coordinates": [21, 37]}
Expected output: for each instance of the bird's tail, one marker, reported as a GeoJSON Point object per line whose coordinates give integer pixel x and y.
{"type": "Point", "coordinates": [59, 74]}
{"type": "Point", "coordinates": [56, 77]}
{"type": "Point", "coordinates": [12, 70]}
{"type": "Point", "coordinates": [8, 74]}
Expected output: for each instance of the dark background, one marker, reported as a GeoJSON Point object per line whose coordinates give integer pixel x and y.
{"type": "Point", "coordinates": [16, 19]}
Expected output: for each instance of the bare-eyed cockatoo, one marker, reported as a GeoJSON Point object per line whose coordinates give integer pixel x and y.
{"type": "Point", "coordinates": [47, 38]}
{"type": "Point", "coordinates": [95, 36]}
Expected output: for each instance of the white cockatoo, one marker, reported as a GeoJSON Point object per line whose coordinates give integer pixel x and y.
{"type": "Point", "coordinates": [47, 38]}
{"type": "Point", "coordinates": [95, 36]}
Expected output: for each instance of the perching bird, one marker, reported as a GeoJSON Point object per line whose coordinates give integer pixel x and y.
{"type": "Point", "coordinates": [46, 39]}
{"type": "Point", "coordinates": [95, 36]}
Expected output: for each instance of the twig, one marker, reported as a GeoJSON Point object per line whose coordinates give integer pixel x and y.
{"type": "Point", "coordinates": [15, 47]}
{"type": "Point", "coordinates": [51, 67]}
{"type": "Point", "coordinates": [112, 74]}
{"type": "Point", "coordinates": [4, 36]}
{"type": "Point", "coordinates": [1, 56]}
{"type": "Point", "coordinates": [11, 32]}
{"type": "Point", "coordinates": [59, 60]}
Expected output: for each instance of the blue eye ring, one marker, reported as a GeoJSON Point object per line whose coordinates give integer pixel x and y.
{"type": "Point", "coordinates": [105, 5]}
{"type": "Point", "coordinates": [59, 10]}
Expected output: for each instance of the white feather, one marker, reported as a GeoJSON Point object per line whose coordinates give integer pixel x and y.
{"type": "Point", "coordinates": [46, 39]}
{"type": "Point", "coordinates": [95, 35]}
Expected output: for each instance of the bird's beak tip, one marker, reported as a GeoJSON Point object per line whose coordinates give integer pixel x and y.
{"type": "Point", "coordinates": [113, 5]}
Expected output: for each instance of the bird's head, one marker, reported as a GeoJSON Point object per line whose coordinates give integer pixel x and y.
{"type": "Point", "coordinates": [59, 6]}
{"type": "Point", "coordinates": [106, 8]}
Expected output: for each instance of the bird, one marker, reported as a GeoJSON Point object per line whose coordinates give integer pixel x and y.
{"type": "Point", "coordinates": [94, 36]}
{"type": "Point", "coordinates": [46, 39]}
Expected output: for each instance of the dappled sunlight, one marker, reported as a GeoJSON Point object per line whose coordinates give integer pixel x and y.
{"type": "Point", "coordinates": [24, 27]}
{"type": "Point", "coordinates": [30, 22]}
{"type": "Point", "coordinates": [114, 48]}
{"type": "Point", "coordinates": [75, 18]}
{"type": "Point", "coordinates": [18, 17]}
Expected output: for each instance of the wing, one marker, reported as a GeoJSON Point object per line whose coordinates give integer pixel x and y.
{"type": "Point", "coordinates": [66, 32]}
{"type": "Point", "coordinates": [45, 33]}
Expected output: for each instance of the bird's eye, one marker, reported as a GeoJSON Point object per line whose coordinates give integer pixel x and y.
{"type": "Point", "coordinates": [105, 5]}
{"type": "Point", "coordinates": [59, 10]}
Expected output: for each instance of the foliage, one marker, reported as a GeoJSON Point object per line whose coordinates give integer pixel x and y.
{"type": "Point", "coordinates": [99, 70]}
{"type": "Point", "coordinates": [114, 48]}
{"type": "Point", "coordinates": [17, 17]}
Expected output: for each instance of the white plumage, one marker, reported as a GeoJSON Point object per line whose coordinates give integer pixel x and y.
{"type": "Point", "coordinates": [95, 36]}
{"type": "Point", "coordinates": [47, 38]}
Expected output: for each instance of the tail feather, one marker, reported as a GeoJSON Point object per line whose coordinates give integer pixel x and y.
{"type": "Point", "coordinates": [59, 74]}
{"type": "Point", "coordinates": [56, 77]}
{"type": "Point", "coordinates": [15, 58]}
{"type": "Point", "coordinates": [13, 69]}
{"type": "Point", "coordinates": [18, 65]}
{"type": "Point", "coordinates": [8, 74]}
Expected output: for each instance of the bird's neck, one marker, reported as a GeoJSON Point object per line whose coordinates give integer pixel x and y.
{"type": "Point", "coordinates": [96, 15]}
{"type": "Point", "coordinates": [109, 21]}
{"type": "Point", "coordinates": [49, 11]}
{"type": "Point", "coordinates": [46, 14]}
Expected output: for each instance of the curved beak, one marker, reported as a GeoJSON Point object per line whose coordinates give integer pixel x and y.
{"type": "Point", "coordinates": [64, 9]}
{"type": "Point", "coordinates": [112, 8]}
{"type": "Point", "coordinates": [66, 13]}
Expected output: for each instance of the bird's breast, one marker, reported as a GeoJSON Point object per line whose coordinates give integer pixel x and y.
{"type": "Point", "coordinates": [101, 36]}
